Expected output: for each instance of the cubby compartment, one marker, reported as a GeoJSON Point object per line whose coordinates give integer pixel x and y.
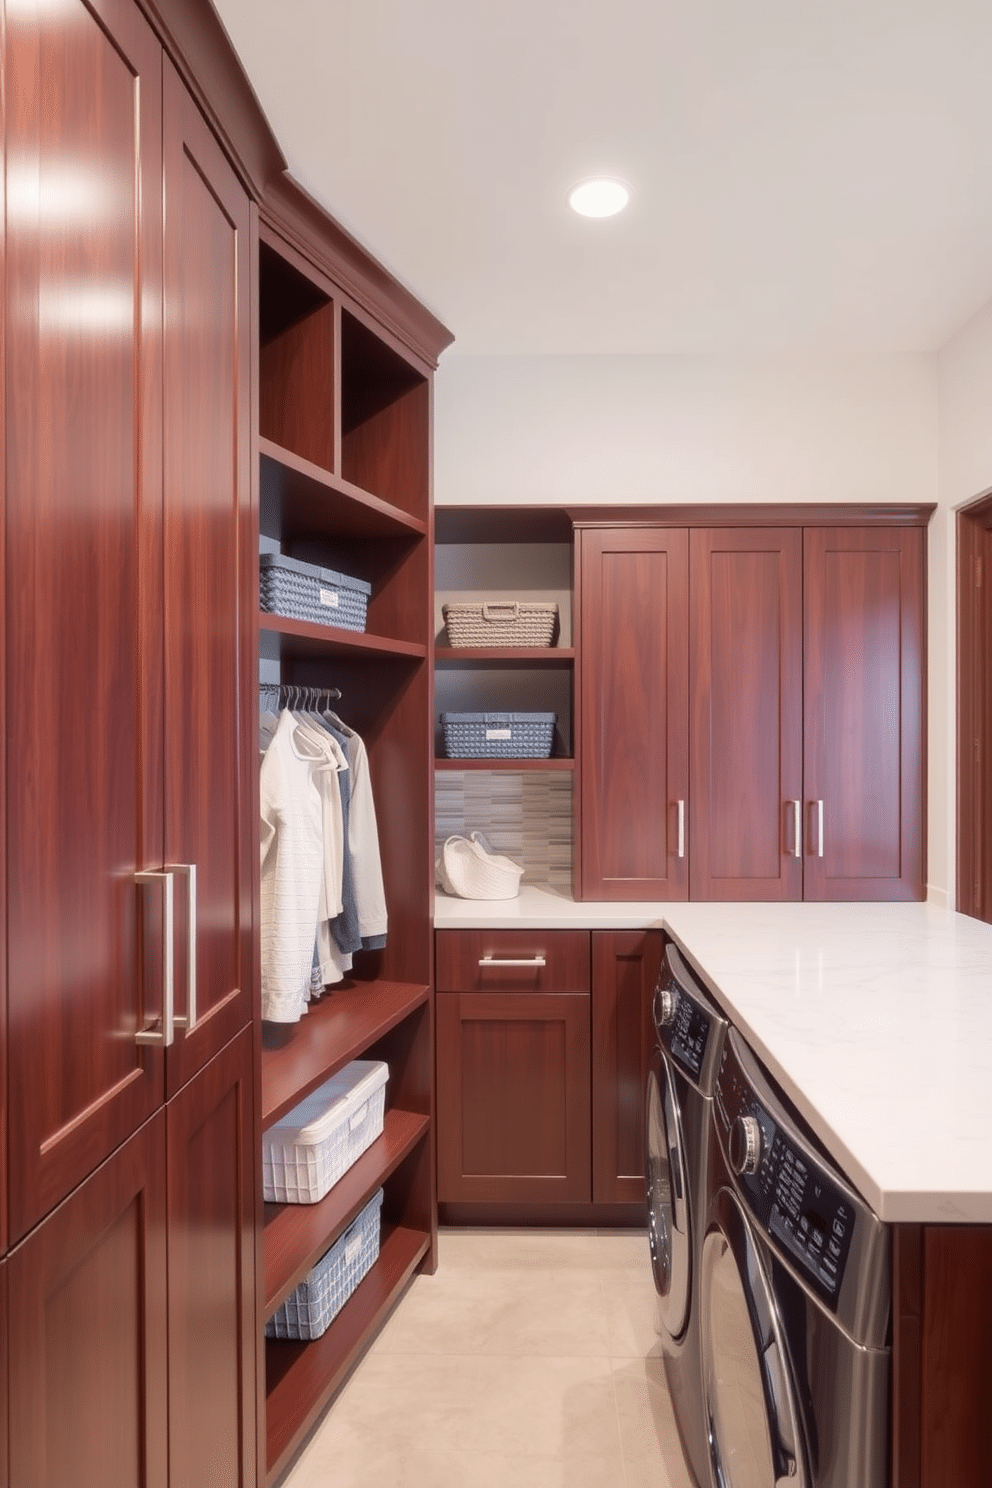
{"type": "Point", "coordinates": [296, 395]}
{"type": "Point", "coordinates": [385, 420]}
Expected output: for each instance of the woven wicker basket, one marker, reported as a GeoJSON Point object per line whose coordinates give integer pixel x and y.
{"type": "Point", "coordinates": [470, 869]}
{"type": "Point", "coordinates": [513, 623]}
{"type": "Point", "coordinates": [498, 735]}
{"type": "Point", "coordinates": [304, 591]}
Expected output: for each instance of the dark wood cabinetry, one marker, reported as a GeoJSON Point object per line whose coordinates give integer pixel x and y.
{"type": "Point", "coordinates": [212, 1187]}
{"type": "Point", "coordinates": [543, 1044]}
{"type": "Point", "coordinates": [864, 713]}
{"type": "Point", "coordinates": [129, 560]}
{"type": "Point", "coordinates": [344, 468]}
{"type": "Point", "coordinates": [746, 669]}
{"type": "Point", "coordinates": [625, 966]}
{"type": "Point", "coordinates": [513, 1048]}
{"type": "Point", "coordinates": [634, 768]}
{"type": "Point", "coordinates": [804, 669]}
{"type": "Point", "coordinates": [84, 616]}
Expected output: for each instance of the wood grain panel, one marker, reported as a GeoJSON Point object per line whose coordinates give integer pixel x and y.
{"type": "Point", "coordinates": [89, 1394]}
{"type": "Point", "coordinates": [513, 1104]}
{"type": "Point", "coordinates": [83, 557]}
{"type": "Point", "coordinates": [956, 1361]}
{"type": "Point", "coordinates": [974, 703]}
{"type": "Point", "coordinates": [633, 713]}
{"type": "Point", "coordinates": [907, 1309]}
{"type": "Point", "coordinates": [296, 388]}
{"type": "Point", "coordinates": [4, 1376]}
{"type": "Point", "coordinates": [865, 712]}
{"type": "Point", "coordinates": [212, 1180]}
{"type": "Point", "coordinates": [745, 665]}
{"type": "Point", "coordinates": [565, 953]}
{"type": "Point", "coordinates": [624, 971]}
{"type": "Point", "coordinates": [210, 801]}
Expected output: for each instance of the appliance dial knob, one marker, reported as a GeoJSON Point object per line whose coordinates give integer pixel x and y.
{"type": "Point", "coordinates": [745, 1145]}
{"type": "Point", "coordinates": [665, 1003]}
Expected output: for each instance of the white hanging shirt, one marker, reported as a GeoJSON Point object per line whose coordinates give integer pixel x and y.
{"type": "Point", "coordinates": [292, 871]}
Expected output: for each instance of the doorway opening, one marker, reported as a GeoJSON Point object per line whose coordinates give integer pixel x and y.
{"type": "Point", "coordinates": [974, 772]}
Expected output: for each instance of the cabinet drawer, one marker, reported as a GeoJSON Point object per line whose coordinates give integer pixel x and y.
{"type": "Point", "coordinates": [512, 961]}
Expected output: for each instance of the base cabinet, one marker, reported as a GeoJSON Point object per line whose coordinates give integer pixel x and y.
{"type": "Point", "coordinates": [543, 1042]}
{"type": "Point", "coordinates": [89, 1329]}
{"type": "Point", "coordinates": [513, 1041]}
{"type": "Point", "coordinates": [131, 1306]}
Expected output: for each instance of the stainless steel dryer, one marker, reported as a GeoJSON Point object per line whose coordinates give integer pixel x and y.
{"type": "Point", "coordinates": [795, 1301]}
{"type": "Point", "coordinates": [678, 1118]}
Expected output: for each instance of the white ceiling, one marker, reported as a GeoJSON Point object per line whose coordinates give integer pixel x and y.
{"type": "Point", "coordinates": [808, 176]}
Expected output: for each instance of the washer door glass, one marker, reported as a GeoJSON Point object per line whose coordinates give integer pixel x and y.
{"type": "Point", "coordinates": [667, 1199]}
{"type": "Point", "coordinates": [750, 1405]}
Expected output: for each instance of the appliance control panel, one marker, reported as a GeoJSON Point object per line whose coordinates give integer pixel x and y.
{"type": "Point", "coordinates": [684, 1024]}
{"type": "Point", "coordinates": [790, 1192]}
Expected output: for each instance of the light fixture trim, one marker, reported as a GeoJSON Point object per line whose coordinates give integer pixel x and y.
{"type": "Point", "coordinates": [599, 196]}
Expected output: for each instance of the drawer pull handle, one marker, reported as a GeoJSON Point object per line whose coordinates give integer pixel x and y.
{"type": "Point", "coordinates": [512, 961]}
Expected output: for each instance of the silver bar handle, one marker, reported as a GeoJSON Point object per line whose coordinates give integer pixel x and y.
{"type": "Point", "coordinates": [512, 961]}
{"type": "Point", "coordinates": [797, 807]}
{"type": "Point", "coordinates": [164, 1035]}
{"type": "Point", "coordinates": [819, 829]}
{"type": "Point", "coordinates": [681, 806]}
{"type": "Point", "coordinates": [187, 1020]}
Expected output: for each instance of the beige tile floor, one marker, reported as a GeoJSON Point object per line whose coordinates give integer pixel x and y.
{"type": "Point", "coordinates": [529, 1359]}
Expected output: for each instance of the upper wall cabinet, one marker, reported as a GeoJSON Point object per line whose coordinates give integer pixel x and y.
{"type": "Point", "coordinates": [864, 715]}
{"type": "Point", "coordinates": [634, 768]}
{"type": "Point", "coordinates": [753, 712]}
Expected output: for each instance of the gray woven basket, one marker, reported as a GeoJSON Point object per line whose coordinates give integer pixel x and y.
{"type": "Point", "coordinates": [498, 735]}
{"type": "Point", "coordinates": [509, 623]}
{"type": "Point", "coordinates": [320, 1296]}
{"type": "Point", "coordinates": [303, 591]}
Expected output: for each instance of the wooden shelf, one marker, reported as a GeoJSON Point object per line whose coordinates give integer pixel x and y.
{"type": "Point", "coordinates": [504, 765]}
{"type": "Point", "coordinates": [502, 656]}
{"type": "Point", "coordinates": [297, 1235]}
{"type": "Point", "coordinates": [302, 1377]}
{"type": "Point", "coordinates": [314, 502]}
{"type": "Point", "coordinates": [297, 638]}
{"type": "Point", "coordinates": [335, 1030]}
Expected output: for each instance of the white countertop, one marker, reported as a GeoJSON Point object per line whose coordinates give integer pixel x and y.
{"type": "Point", "coordinates": [876, 1019]}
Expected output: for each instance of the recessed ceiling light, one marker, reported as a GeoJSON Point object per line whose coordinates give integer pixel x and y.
{"type": "Point", "coordinates": [601, 197]}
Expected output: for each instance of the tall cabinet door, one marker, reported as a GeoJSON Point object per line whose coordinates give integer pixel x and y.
{"type": "Point", "coordinates": [633, 714]}
{"type": "Point", "coordinates": [746, 653]}
{"type": "Point", "coordinates": [864, 711]}
{"type": "Point", "coordinates": [87, 1299]}
{"type": "Point", "coordinates": [83, 600]}
{"type": "Point", "coordinates": [212, 1337]}
{"type": "Point", "coordinates": [209, 589]}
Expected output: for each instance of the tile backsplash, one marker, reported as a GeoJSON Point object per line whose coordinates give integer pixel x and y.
{"type": "Point", "coordinates": [526, 814]}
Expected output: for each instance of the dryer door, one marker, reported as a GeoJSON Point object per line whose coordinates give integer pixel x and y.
{"type": "Point", "coordinates": [667, 1198]}
{"type": "Point", "coordinates": [749, 1397]}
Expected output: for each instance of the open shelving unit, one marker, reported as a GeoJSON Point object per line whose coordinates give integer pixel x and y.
{"type": "Point", "coordinates": [523, 805]}
{"type": "Point", "coordinates": [344, 438]}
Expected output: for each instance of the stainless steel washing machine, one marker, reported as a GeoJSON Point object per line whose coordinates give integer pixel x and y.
{"type": "Point", "coordinates": [795, 1297]}
{"type": "Point", "coordinates": [678, 1118]}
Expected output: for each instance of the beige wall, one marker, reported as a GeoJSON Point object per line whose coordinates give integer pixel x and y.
{"type": "Point", "coordinates": [964, 413]}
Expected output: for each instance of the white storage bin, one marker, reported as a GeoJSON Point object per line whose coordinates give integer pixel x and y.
{"type": "Point", "coordinates": [320, 1296]}
{"type": "Point", "coordinates": [305, 1153]}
